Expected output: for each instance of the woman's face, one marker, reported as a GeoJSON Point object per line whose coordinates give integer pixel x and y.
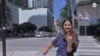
{"type": "Point", "coordinates": [67, 26]}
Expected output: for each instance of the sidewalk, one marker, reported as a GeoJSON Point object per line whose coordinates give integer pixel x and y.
{"type": "Point", "coordinates": [87, 47]}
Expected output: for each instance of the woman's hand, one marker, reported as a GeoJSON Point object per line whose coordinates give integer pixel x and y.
{"type": "Point", "coordinates": [45, 51]}
{"type": "Point", "coordinates": [69, 40]}
{"type": "Point", "coordinates": [69, 49]}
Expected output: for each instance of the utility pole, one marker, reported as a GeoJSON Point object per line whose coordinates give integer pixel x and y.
{"type": "Point", "coordinates": [3, 28]}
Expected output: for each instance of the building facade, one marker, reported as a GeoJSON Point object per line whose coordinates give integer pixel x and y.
{"type": "Point", "coordinates": [24, 4]}
{"type": "Point", "coordinates": [39, 12]}
{"type": "Point", "coordinates": [14, 12]}
{"type": "Point", "coordinates": [88, 12]}
{"type": "Point", "coordinates": [41, 3]}
{"type": "Point", "coordinates": [89, 15]}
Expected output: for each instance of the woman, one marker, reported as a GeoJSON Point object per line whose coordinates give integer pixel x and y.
{"type": "Point", "coordinates": [64, 42]}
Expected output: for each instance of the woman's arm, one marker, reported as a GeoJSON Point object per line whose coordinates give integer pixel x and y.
{"type": "Point", "coordinates": [69, 40]}
{"type": "Point", "coordinates": [46, 49]}
{"type": "Point", "coordinates": [76, 41]}
{"type": "Point", "coordinates": [50, 45]}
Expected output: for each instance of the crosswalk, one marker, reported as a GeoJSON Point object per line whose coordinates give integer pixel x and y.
{"type": "Point", "coordinates": [88, 47]}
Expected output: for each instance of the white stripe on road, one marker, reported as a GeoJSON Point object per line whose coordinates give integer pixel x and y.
{"type": "Point", "coordinates": [88, 50]}
{"type": "Point", "coordinates": [95, 44]}
{"type": "Point", "coordinates": [24, 53]}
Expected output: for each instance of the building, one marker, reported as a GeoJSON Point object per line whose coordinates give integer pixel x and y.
{"type": "Point", "coordinates": [88, 14]}
{"type": "Point", "coordinates": [24, 4]}
{"type": "Point", "coordinates": [45, 18]}
{"type": "Point", "coordinates": [30, 4]}
{"type": "Point", "coordinates": [14, 13]}
{"type": "Point", "coordinates": [39, 12]}
{"type": "Point", "coordinates": [41, 3]}
{"type": "Point", "coordinates": [34, 16]}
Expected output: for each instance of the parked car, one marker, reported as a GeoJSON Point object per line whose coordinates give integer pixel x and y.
{"type": "Point", "coordinates": [38, 34]}
{"type": "Point", "coordinates": [43, 34]}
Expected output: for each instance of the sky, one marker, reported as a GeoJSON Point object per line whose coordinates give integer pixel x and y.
{"type": "Point", "coordinates": [58, 4]}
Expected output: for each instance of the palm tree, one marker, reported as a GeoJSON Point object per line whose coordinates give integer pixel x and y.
{"type": "Point", "coordinates": [65, 12]}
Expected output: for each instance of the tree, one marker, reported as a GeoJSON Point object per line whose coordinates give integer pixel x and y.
{"type": "Point", "coordinates": [60, 23]}
{"type": "Point", "coordinates": [16, 28]}
{"type": "Point", "coordinates": [65, 12]}
{"type": "Point", "coordinates": [45, 28]}
{"type": "Point", "coordinates": [27, 27]}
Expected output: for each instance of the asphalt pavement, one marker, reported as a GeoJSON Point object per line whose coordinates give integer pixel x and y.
{"type": "Point", "coordinates": [32, 47]}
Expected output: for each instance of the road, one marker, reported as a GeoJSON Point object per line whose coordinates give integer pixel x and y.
{"type": "Point", "coordinates": [88, 46]}
{"type": "Point", "coordinates": [33, 46]}
{"type": "Point", "coordinates": [29, 45]}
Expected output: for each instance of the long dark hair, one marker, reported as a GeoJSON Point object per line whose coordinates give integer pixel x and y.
{"type": "Point", "coordinates": [65, 21]}
{"type": "Point", "coordinates": [71, 32]}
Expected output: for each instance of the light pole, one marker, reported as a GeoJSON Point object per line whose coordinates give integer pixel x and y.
{"type": "Point", "coordinates": [4, 41]}
{"type": "Point", "coordinates": [3, 28]}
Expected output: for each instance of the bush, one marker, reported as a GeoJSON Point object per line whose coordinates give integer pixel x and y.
{"type": "Point", "coordinates": [45, 28]}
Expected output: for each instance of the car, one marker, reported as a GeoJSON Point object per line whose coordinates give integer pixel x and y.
{"type": "Point", "coordinates": [42, 34]}
{"type": "Point", "coordinates": [38, 34]}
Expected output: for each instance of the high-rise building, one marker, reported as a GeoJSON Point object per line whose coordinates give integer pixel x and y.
{"type": "Point", "coordinates": [44, 4]}
{"type": "Point", "coordinates": [30, 4]}
{"type": "Point", "coordinates": [24, 4]}
{"type": "Point", "coordinates": [41, 12]}
{"type": "Point", "coordinates": [41, 3]}
{"type": "Point", "coordinates": [27, 4]}
{"type": "Point", "coordinates": [89, 16]}
{"type": "Point", "coordinates": [48, 5]}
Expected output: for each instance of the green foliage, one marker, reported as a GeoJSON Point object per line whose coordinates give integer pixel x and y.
{"type": "Point", "coordinates": [16, 28]}
{"type": "Point", "coordinates": [45, 28]}
{"type": "Point", "coordinates": [27, 27]}
{"type": "Point", "coordinates": [65, 11]}
{"type": "Point", "coordinates": [61, 22]}
{"type": "Point", "coordinates": [24, 27]}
